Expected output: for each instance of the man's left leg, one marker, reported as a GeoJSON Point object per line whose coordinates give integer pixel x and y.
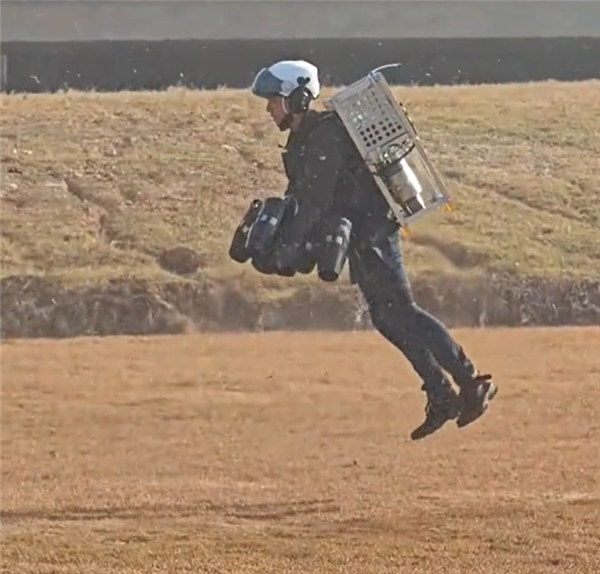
{"type": "Point", "coordinates": [388, 277]}
{"type": "Point", "coordinates": [443, 403]}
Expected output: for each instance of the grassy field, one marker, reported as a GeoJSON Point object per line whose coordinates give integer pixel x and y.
{"type": "Point", "coordinates": [97, 185]}
{"type": "Point", "coordinates": [140, 455]}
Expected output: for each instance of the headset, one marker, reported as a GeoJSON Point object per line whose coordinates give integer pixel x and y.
{"type": "Point", "coordinates": [299, 100]}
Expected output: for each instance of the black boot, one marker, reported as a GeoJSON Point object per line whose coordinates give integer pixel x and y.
{"type": "Point", "coordinates": [475, 397]}
{"type": "Point", "coordinates": [443, 405]}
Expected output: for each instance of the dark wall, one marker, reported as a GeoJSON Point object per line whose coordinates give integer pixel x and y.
{"type": "Point", "coordinates": [114, 65]}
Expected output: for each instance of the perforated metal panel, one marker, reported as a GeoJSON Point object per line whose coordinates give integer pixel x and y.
{"type": "Point", "coordinates": [382, 130]}
{"type": "Point", "coordinates": [371, 117]}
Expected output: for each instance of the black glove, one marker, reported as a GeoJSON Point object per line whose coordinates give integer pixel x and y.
{"type": "Point", "coordinates": [280, 261]}
{"type": "Point", "coordinates": [264, 264]}
{"type": "Point", "coordinates": [285, 258]}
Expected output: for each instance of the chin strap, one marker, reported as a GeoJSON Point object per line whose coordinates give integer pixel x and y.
{"type": "Point", "coordinates": [286, 123]}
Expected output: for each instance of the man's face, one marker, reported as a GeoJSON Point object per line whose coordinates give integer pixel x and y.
{"type": "Point", "coordinates": [276, 109]}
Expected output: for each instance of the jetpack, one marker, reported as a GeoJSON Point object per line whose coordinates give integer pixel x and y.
{"type": "Point", "coordinates": [387, 141]}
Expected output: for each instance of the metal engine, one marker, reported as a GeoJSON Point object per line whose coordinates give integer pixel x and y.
{"type": "Point", "coordinates": [388, 143]}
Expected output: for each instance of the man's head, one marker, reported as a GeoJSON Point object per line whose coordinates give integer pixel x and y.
{"type": "Point", "coordinates": [289, 87]}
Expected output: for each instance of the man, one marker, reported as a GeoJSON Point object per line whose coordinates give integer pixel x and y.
{"type": "Point", "coordinates": [328, 177]}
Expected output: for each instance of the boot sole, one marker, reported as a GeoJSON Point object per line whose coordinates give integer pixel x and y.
{"type": "Point", "coordinates": [419, 433]}
{"type": "Point", "coordinates": [424, 431]}
{"type": "Point", "coordinates": [489, 394]}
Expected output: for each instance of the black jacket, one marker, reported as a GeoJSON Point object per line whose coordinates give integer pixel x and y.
{"type": "Point", "coordinates": [329, 178]}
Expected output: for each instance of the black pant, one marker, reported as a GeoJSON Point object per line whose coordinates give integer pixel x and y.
{"type": "Point", "coordinates": [381, 276]}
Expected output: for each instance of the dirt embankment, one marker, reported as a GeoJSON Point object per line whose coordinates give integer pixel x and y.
{"type": "Point", "coordinates": [36, 307]}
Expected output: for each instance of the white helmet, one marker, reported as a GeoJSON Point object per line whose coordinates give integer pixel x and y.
{"type": "Point", "coordinates": [296, 80]}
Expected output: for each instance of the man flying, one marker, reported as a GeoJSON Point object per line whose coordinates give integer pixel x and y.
{"type": "Point", "coordinates": [328, 177]}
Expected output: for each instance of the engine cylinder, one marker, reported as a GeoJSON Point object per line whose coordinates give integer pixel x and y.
{"type": "Point", "coordinates": [238, 250]}
{"type": "Point", "coordinates": [404, 185]}
{"type": "Point", "coordinates": [333, 251]}
{"type": "Point", "coordinates": [307, 260]}
{"type": "Point", "coordinates": [263, 234]}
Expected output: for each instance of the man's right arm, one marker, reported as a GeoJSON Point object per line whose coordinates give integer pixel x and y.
{"type": "Point", "coordinates": [314, 191]}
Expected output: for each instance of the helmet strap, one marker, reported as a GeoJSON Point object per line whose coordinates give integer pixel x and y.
{"type": "Point", "coordinates": [289, 117]}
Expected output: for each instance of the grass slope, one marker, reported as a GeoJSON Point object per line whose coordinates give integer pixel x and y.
{"type": "Point", "coordinates": [96, 185]}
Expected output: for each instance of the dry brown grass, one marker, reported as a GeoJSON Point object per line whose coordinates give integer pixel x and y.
{"type": "Point", "coordinates": [289, 454]}
{"type": "Point", "coordinates": [148, 171]}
